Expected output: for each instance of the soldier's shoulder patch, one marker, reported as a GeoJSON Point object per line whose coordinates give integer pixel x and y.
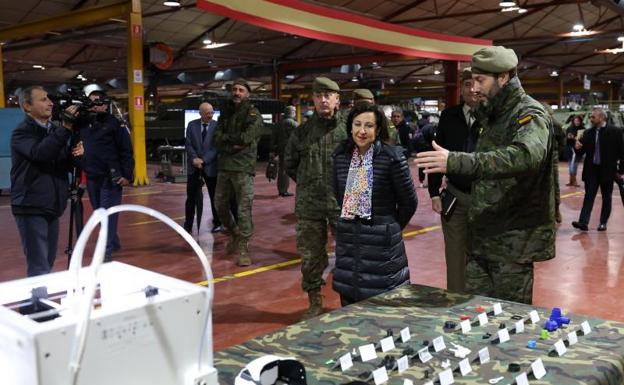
{"type": "Point", "coordinates": [525, 119]}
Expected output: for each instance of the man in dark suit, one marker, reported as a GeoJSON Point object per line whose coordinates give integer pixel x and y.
{"type": "Point", "coordinates": [603, 146]}
{"type": "Point", "coordinates": [458, 130]}
{"type": "Point", "coordinates": [202, 164]}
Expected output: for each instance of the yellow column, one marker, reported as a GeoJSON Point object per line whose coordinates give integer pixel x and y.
{"type": "Point", "coordinates": [2, 104]}
{"type": "Point", "coordinates": [136, 99]}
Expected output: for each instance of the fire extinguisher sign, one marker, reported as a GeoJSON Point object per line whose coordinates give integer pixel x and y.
{"type": "Point", "coordinates": [138, 102]}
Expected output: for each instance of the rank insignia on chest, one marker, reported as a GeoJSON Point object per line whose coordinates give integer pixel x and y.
{"type": "Point", "coordinates": [525, 119]}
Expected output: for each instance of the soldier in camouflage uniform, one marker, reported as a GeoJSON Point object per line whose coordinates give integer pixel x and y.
{"type": "Point", "coordinates": [309, 164]}
{"type": "Point", "coordinates": [363, 95]}
{"type": "Point", "coordinates": [512, 212]}
{"type": "Point", "coordinates": [559, 138]}
{"type": "Point", "coordinates": [236, 137]}
{"type": "Point", "coordinates": [280, 138]}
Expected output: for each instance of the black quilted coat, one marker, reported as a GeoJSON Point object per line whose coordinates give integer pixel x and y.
{"type": "Point", "coordinates": [370, 255]}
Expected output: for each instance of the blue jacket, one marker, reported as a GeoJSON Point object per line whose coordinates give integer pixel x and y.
{"type": "Point", "coordinates": [107, 146]}
{"type": "Point", "coordinates": [206, 150]}
{"type": "Point", "coordinates": [39, 172]}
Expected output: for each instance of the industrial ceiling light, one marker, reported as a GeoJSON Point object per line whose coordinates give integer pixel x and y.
{"type": "Point", "coordinates": [354, 79]}
{"type": "Point", "coordinates": [436, 72]}
{"type": "Point", "coordinates": [507, 3]}
{"type": "Point", "coordinates": [621, 38]}
{"type": "Point", "coordinates": [554, 74]}
{"type": "Point", "coordinates": [214, 45]}
{"type": "Point", "coordinates": [38, 66]}
{"type": "Point", "coordinates": [171, 3]}
{"type": "Point", "coordinates": [207, 41]}
{"type": "Point", "coordinates": [510, 9]}
{"type": "Point", "coordinates": [522, 10]}
{"type": "Point", "coordinates": [578, 27]}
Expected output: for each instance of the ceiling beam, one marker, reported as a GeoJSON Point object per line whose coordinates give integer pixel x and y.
{"type": "Point", "coordinates": [197, 38]}
{"type": "Point", "coordinates": [508, 22]}
{"type": "Point", "coordinates": [486, 11]}
{"type": "Point", "coordinates": [337, 61]}
{"type": "Point", "coordinates": [606, 70]}
{"type": "Point", "coordinates": [65, 21]}
{"type": "Point", "coordinates": [407, 75]}
{"type": "Point", "coordinates": [402, 10]}
{"type": "Point", "coordinates": [550, 44]}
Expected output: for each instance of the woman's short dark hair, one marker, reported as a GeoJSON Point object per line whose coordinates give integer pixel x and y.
{"type": "Point", "coordinates": [380, 121]}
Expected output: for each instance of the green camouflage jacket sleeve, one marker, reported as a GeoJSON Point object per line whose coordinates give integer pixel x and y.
{"type": "Point", "coordinates": [525, 154]}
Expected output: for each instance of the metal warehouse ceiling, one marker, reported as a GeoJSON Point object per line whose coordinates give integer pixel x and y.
{"type": "Point", "coordinates": [540, 35]}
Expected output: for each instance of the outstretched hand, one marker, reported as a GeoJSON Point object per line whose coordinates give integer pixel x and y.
{"type": "Point", "coordinates": [433, 161]}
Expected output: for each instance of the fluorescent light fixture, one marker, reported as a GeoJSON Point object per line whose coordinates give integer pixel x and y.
{"type": "Point", "coordinates": [510, 9]}
{"type": "Point", "coordinates": [436, 72]}
{"type": "Point", "coordinates": [621, 38]}
{"type": "Point", "coordinates": [207, 41]}
{"type": "Point", "coordinates": [354, 79]}
{"type": "Point", "coordinates": [171, 3]}
{"type": "Point", "coordinates": [522, 10]}
{"type": "Point", "coordinates": [578, 27]}
{"type": "Point", "coordinates": [507, 3]}
{"type": "Point", "coordinates": [554, 74]}
{"type": "Point", "coordinates": [214, 45]}
{"type": "Point", "coordinates": [38, 66]}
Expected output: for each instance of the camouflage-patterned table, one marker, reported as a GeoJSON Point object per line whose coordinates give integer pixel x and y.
{"type": "Point", "coordinates": [597, 358]}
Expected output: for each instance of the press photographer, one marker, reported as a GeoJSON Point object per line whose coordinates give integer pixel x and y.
{"type": "Point", "coordinates": [108, 161]}
{"type": "Point", "coordinates": [41, 159]}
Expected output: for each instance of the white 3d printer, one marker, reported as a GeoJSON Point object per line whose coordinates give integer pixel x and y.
{"type": "Point", "coordinates": [107, 323]}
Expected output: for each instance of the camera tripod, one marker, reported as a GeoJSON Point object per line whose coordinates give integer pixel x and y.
{"type": "Point", "coordinates": [75, 213]}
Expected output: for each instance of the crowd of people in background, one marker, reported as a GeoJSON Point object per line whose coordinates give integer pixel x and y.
{"type": "Point", "coordinates": [490, 165]}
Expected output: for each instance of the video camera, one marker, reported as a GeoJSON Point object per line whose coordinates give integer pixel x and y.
{"type": "Point", "coordinates": [76, 97]}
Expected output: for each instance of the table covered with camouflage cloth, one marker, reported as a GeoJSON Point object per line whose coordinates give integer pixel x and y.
{"type": "Point", "coordinates": [597, 357]}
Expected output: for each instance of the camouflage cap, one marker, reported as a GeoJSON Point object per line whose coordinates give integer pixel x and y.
{"type": "Point", "coordinates": [466, 74]}
{"type": "Point", "coordinates": [494, 60]}
{"type": "Point", "coordinates": [242, 82]}
{"type": "Point", "coordinates": [362, 93]}
{"type": "Point", "coordinates": [324, 84]}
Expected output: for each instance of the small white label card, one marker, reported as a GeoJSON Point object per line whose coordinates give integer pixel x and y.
{"type": "Point", "coordinates": [387, 344]}
{"type": "Point", "coordinates": [534, 316]}
{"type": "Point", "coordinates": [438, 344]}
{"type": "Point", "coordinates": [522, 379]}
{"type": "Point", "coordinates": [380, 375]}
{"type": "Point", "coordinates": [346, 362]}
{"type": "Point", "coordinates": [405, 334]}
{"type": "Point", "coordinates": [368, 352]}
{"type": "Point", "coordinates": [497, 308]}
{"type": "Point", "coordinates": [410, 382]}
{"type": "Point", "coordinates": [483, 320]}
{"type": "Point", "coordinates": [446, 377]}
{"type": "Point", "coordinates": [586, 327]}
{"type": "Point", "coordinates": [539, 370]}
{"type": "Point", "coordinates": [503, 335]}
{"type": "Point", "coordinates": [572, 338]}
{"type": "Point", "coordinates": [424, 355]}
{"type": "Point", "coordinates": [464, 367]}
{"type": "Point", "coordinates": [465, 326]}
{"type": "Point", "coordinates": [403, 364]}
{"type": "Point", "coordinates": [560, 347]}
{"type": "Point", "coordinates": [484, 355]}
{"type": "Point", "coordinates": [520, 326]}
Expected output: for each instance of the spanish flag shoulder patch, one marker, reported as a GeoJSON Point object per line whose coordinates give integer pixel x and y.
{"type": "Point", "coordinates": [525, 119]}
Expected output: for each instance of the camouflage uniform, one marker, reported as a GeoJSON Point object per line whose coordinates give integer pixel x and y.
{"type": "Point", "coordinates": [238, 125]}
{"type": "Point", "coordinates": [309, 163]}
{"type": "Point", "coordinates": [512, 211]}
{"type": "Point", "coordinates": [280, 138]}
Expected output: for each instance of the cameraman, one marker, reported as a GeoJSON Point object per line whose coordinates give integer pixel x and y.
{"type": "Point", "coordinates": [41, 160]}
{"type": "Point", "coordinates": [108, 161]}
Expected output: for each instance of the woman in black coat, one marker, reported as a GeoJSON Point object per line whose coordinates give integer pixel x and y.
{"type": "Point", "coordinates": [376, 193]}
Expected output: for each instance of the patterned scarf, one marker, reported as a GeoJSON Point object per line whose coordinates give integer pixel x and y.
{"type": "Point", "coordinates": [358, 195]}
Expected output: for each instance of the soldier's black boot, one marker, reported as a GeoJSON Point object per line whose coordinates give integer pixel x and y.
{"type": "Point", "coordinates": [316, 305]}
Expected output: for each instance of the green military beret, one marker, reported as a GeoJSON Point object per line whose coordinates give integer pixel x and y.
{"type": "Point", "coordinates": [362, 93]}
{"type": "Point", "coordinates": [466, 74]}
{"type": "Point", "coordinates": [324, 84]}
{"type": "Point", "coordinates": [494, 60]}
{"type": "Point", "coordinates": [242, 82]}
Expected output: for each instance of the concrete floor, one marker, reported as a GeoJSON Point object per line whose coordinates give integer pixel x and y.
{"type": "Point", "coordinates": [584, 278]}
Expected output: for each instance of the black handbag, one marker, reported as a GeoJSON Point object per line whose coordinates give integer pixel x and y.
{"type": "Point", "coordinates": [271, 169]}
